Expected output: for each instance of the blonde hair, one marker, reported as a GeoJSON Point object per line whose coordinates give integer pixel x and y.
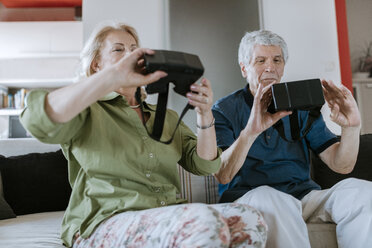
{"type": "Point", "coordinates": [94, 43]}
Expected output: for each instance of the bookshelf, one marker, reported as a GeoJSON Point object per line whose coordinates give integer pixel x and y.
{"type": "Point", "coordinates": [10, 111]}
{"type": "Point", "coordinates": [51, 83]}
{"type": "Point", "coordinates": [10, 126]}
{"type": "Point", "coordinates": [14, 85]}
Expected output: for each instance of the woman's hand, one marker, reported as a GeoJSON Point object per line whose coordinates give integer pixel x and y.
{"type": "Point", "coordinates": [201, 97]}
{"type": "Point", "coordinates": [128, 71]}
{"type": "Point", "coordinates": [344, 109]}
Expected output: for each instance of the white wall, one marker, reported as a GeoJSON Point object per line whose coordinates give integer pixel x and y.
{"type": "Point", "coordinates": [310, 30]}
{"type": "Point", "coordinates": [147, 17]}
{"type": "Point", "coordinates": [33, 50]}
{"type": "Point", "coordinates": [212, 29]}
{"type": "Point", "coordinates": [359, 19]}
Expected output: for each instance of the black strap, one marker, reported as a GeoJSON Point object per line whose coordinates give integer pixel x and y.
{"type": "Point", "coordinates": [160, 114]}
{"type": "Point", "coordinates": [161, 110]}
{"type": "Point", "coordinates": [295, 130]}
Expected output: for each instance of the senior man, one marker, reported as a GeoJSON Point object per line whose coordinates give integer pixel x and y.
{"type": "Point", "coordinates": [273, 175]}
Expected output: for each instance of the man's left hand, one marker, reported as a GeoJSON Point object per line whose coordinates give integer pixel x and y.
{"type": "Point", "coordinates": [344, 109]}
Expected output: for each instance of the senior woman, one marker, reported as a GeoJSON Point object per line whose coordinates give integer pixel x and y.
{"type": "Point", "coordinates": [125, 186]}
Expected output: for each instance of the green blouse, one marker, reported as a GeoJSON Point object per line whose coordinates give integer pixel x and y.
{"type": "Point", "coordinates": [114, 166]}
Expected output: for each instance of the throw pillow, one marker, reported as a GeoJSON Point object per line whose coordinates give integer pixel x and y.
{"type": "Point", "coordinates": [5, 211]}
{"type": "Point", "coordinates": [35, 182]}
{"type": "Point", "coordinates": [1, 186]}
{"type": "Point", "coordinates": [326, 178]}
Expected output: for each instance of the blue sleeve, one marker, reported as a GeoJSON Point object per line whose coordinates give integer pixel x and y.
{"type": "Point", "coordinates": [320, 137]}
{"type": "Point", "coordinates": [224, 130]}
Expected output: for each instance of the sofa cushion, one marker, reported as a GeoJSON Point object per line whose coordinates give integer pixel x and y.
{"type": "Point", "coordinates": [326, 178]}
{"type": "Point", "coordinates": [35, 182]}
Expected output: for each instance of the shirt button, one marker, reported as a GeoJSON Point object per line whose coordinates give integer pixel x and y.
{"type": "Point", "coordinates": [144, 137]}
{"type": "Point", "coordinates": [151, 155]}
{"type": "Point", "coordinates": [268, 137]}
{"type": "Point", "coordinates": [162, 203]}
{"type": "Point", "coordinates": [148, 174]}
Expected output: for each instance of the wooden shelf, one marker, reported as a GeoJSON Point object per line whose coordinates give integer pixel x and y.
{"type": "Point", "coordinates": [9, 111]}
{"type": "Point", "coordinates": [362, 80]}
{"type": "Point", "coordinates": [36, 83]}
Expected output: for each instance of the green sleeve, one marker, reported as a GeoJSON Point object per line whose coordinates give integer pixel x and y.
{"type": "Point", "coordinates": [37, 122]}
{"type": "Point", "coordinates": [190, 160]}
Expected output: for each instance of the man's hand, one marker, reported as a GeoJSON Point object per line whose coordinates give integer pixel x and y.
{"type": "Point", "coordinates": [260, 119]}
{"type": "Point", "coordinates": [344, 109]}
{"type": "Point", "coordinates": [341, 156]}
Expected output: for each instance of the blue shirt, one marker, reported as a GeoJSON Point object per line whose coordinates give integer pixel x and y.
{"type": "Point", "coordinates": [271, 160]}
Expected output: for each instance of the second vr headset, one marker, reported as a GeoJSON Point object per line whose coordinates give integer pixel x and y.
{"type": "Point", "coordinates": [293, 96]}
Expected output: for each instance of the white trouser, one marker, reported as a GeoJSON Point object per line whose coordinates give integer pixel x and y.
{"type": "Point", "coordinates": [348, 204]}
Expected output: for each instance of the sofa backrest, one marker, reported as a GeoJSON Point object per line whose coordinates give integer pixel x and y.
{"type": "Point", "coordinates": [193, 188]}
{"type": "Point", "coordinates": [14, 147]}
{"type": "Point", "coordinates": [326, 178]}
{"type": "Point", "coordinates": [205, 188]}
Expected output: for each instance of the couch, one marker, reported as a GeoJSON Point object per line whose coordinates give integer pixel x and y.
{"type": "Point", "coordinates": [35, 189]}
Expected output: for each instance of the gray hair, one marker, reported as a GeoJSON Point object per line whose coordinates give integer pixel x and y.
{"type": "Point", "coordinates": [260, 37]}
{"type": "Point", "coordinates": [92, 47]}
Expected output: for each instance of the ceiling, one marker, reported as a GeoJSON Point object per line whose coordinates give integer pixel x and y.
{"type": "Point", "coordinates": [40, 10]}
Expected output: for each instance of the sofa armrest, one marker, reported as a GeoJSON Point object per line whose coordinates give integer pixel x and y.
{"type": "Point", "coordinates": [203, 189]}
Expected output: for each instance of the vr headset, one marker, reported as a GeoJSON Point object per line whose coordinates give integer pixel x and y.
{"type": "Point", "coordinates": [297, 95]}
{"type": "Point", "coordinates": [183, 69]}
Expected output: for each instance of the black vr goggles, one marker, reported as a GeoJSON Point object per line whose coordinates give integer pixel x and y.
{"type": "Point", "coordinates": [293, 96]}
{"type": "Point", "coordinates": [183, 69]}
{"type": "Point", "coordinates": [298, 95]}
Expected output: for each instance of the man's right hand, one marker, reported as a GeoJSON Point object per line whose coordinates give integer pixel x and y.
{"type": "Point", "coordinates": [260, 119]}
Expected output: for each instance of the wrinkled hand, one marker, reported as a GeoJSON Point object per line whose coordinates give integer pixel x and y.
{"type": "Point", "coordinates": [128, 72]}
{"type": "Point", "coordinates": [260, 119]}
{"type": "Point", "coordinates": [344, 109]}
{"type": "Point", "coordinates": [201, 97]}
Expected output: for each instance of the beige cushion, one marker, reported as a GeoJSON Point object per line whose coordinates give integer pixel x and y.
{"type": "Point", "coordinates": [40, 230]}
{"type": "Point", "coordinates": [322, 235]}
